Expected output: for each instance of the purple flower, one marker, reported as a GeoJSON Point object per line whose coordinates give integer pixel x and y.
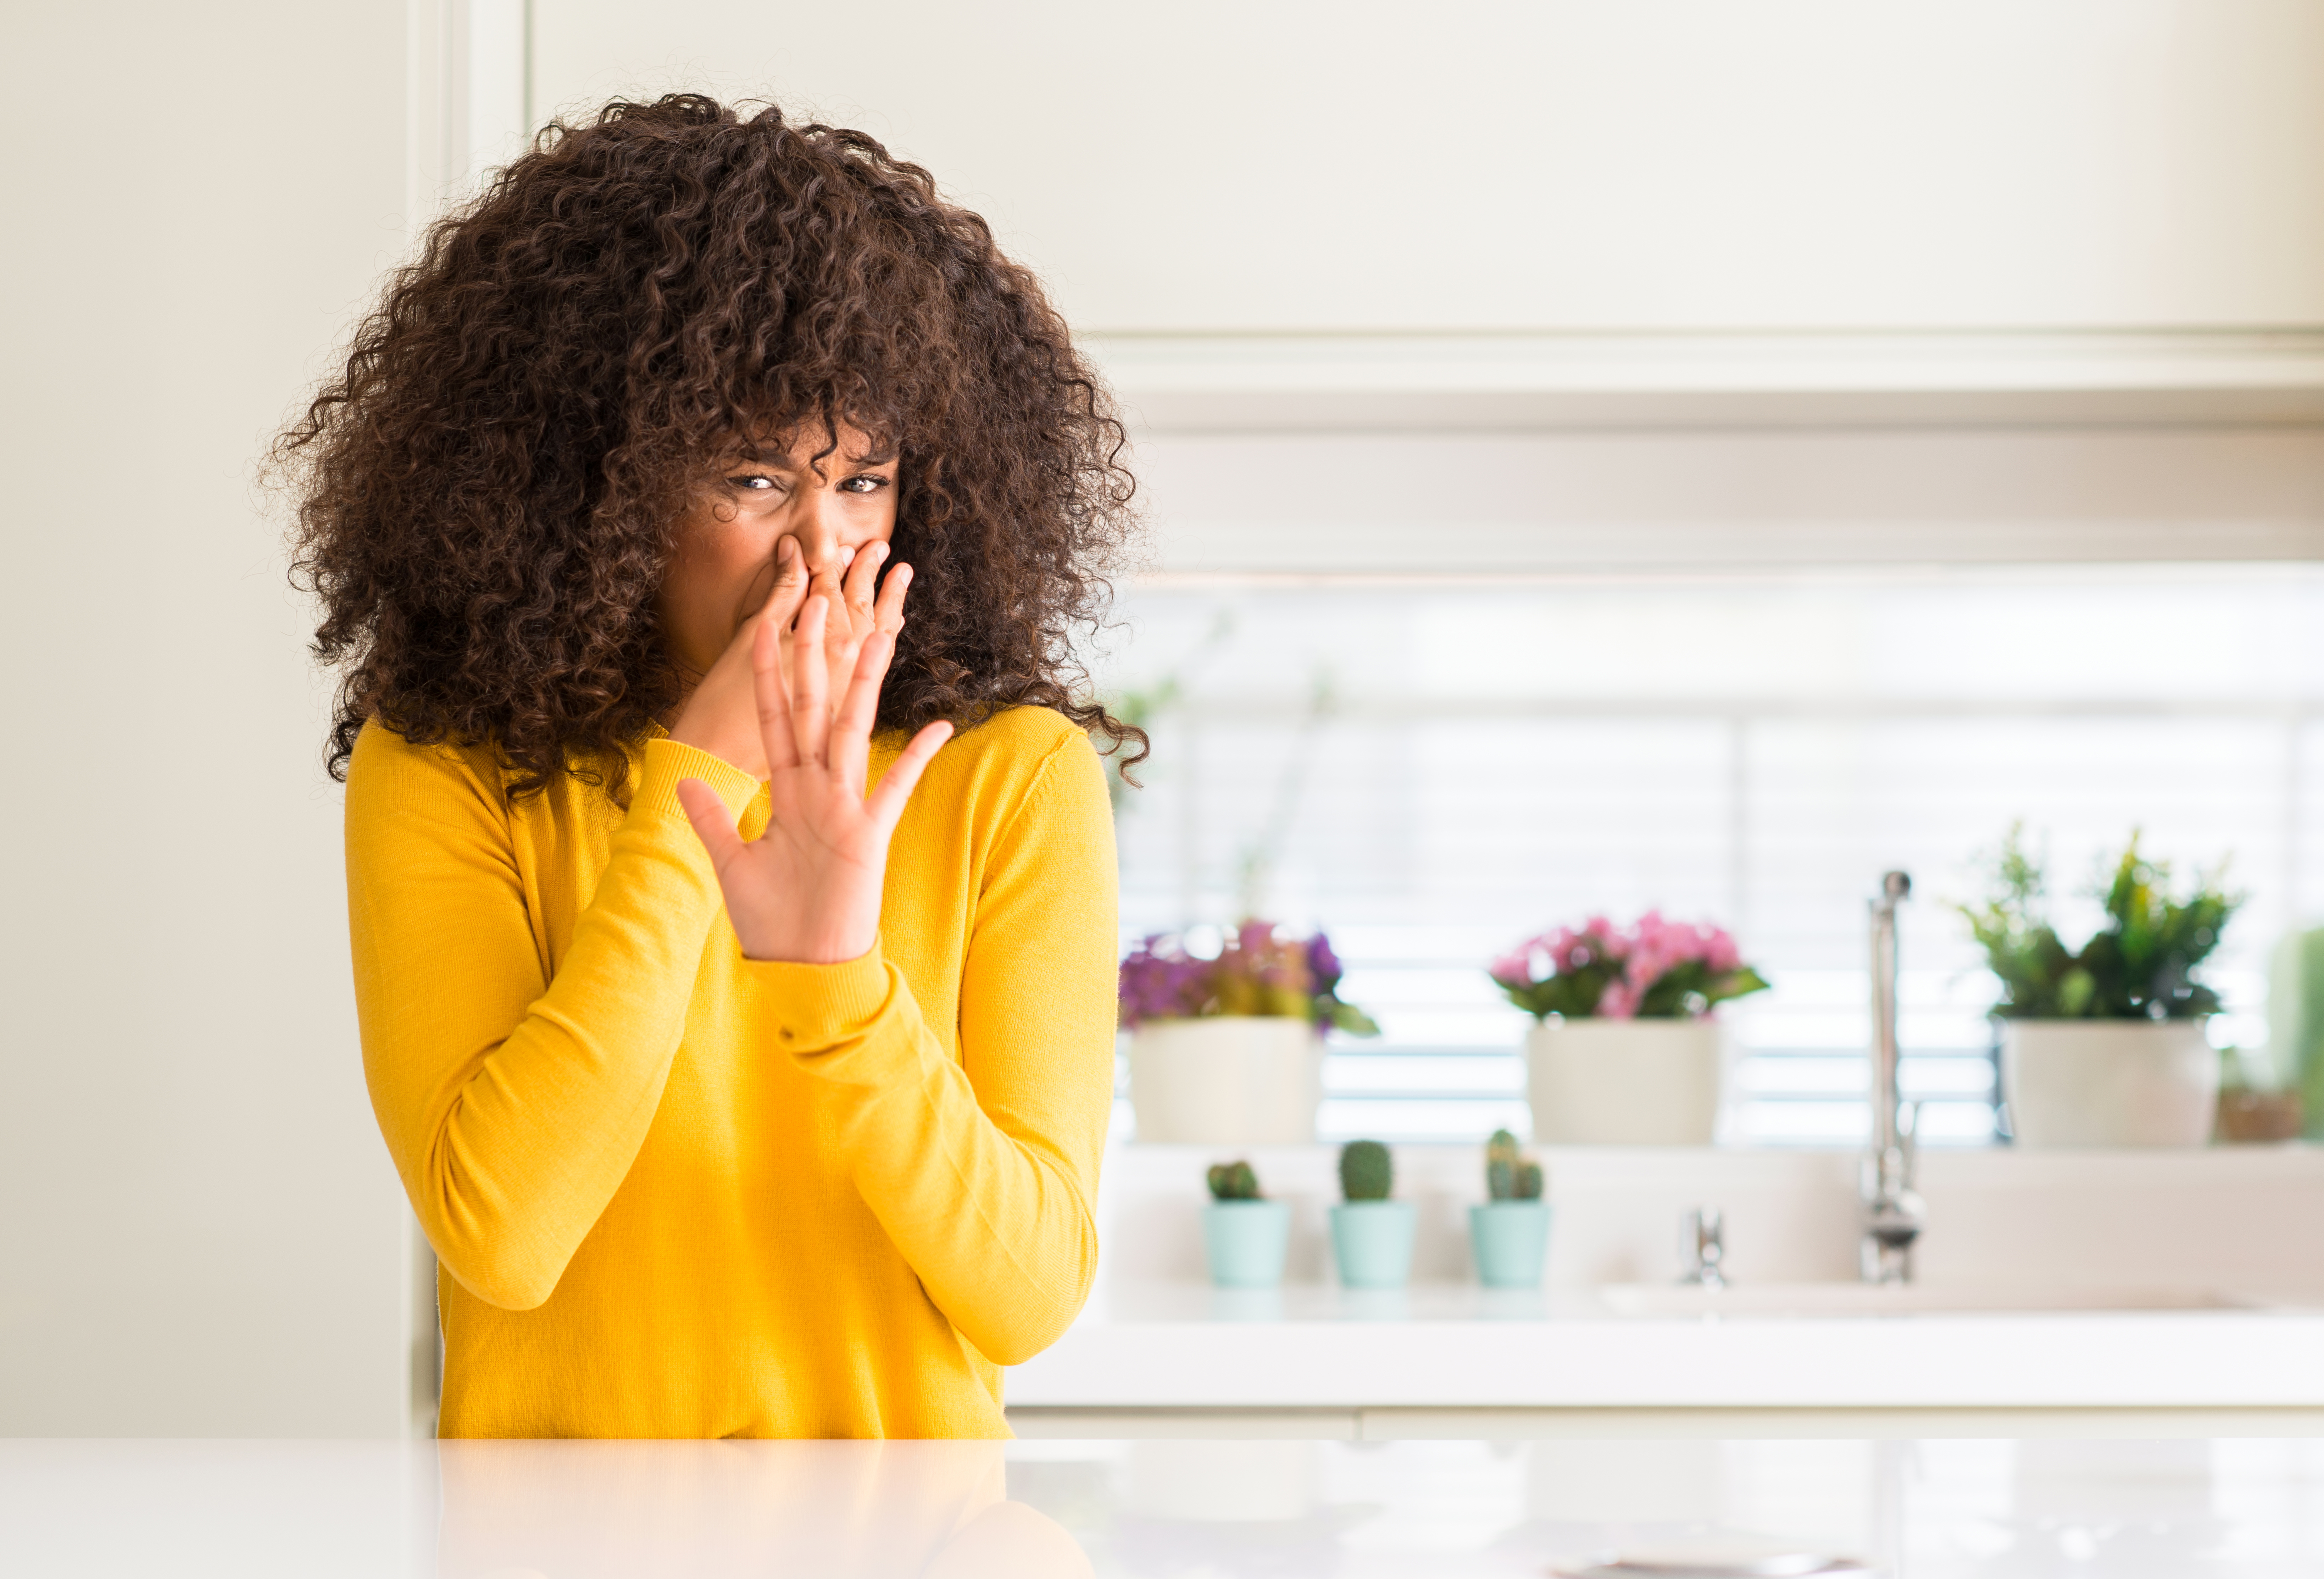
{"type": "Point", "coordinates": [1160, 981]}
{"type": "Point", "coordinates": [1323, 965]}
{"type": "Point", "coordinates": [1256, 972]}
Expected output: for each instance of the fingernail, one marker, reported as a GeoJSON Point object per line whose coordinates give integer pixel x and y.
{"type": "Point", "coordinates": [846, 557]}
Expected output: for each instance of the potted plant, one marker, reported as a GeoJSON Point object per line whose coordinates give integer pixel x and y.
{"type": "Point", "coordinates": [1245, 1233]}
{"type": "Point", "coordinates": [1509, 1233]}
{"type": "Point", "coordinates": [1229, 1051]}
{"type": "Point", "coordinates": [1624, 1051]}
{"type": "Point", "coordinates": [2104, 1045]}
{"type": "Point", "coordinates": [1372, 1236]}
{"type": "Point", "coordinates": [2254, 1106]}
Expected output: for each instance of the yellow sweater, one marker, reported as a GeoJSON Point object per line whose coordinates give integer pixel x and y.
{"type": "Point", "coordinates": [677, 1193]}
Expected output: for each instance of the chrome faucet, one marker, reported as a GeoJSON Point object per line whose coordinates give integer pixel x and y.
{"type": "Point", "coordinates": [1893, 1213]}
{"type": "Point", "coordinates": [1703, 1240]}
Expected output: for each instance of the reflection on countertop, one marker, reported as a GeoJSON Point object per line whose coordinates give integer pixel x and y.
{"type": "Point", "coordinates": [1935, 1344]}
{"type": "Point", "coordinates": [579, 1510]}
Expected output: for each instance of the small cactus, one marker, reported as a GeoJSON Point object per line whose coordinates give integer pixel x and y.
{"type": "Point", "coordinates": [1367, 1171]}
{"type": "Point", "coordinates": [1234, 1181]}
{"type": "Point", "coordinates": [1509, 1174]}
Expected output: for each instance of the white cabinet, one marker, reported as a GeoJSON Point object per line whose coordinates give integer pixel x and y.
{"type": "Point", "coordinates": [1482, 167]}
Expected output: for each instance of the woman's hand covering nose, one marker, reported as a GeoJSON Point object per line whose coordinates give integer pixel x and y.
{"type": "Point", "coordinates": [721, 715]}
{"type": "Point", "coordinates": [807, 890]}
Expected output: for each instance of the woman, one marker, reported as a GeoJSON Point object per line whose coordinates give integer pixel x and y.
{"type": "Point", "coordinates": [599, 513]}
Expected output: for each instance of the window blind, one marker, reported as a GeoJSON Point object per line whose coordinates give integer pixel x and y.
{"type": "Point", "coordinates": [1434, 771]}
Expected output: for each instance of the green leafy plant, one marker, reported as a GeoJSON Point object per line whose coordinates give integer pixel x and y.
{"type": "Point", "coordinates": [1234, 1181]}
{"type": "Point", "coordinates": [1367, 1171]}
{"type": "Point", "coordinates": [1509, 1174]}
{"type": "Point", "coordinates": [2139, 965]}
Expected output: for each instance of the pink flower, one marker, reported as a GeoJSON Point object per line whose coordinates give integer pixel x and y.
{"type": "Point", "coordinates": [1720, 952]}
{"type": "Point", "coordinates": [1668, 942]}
{"type": "Point", "coordinates": [1605, 939]}
{"type": "Point", "coordinates": [1639, 958]}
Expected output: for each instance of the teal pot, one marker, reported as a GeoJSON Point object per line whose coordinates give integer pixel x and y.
{"type": "Point", "coordinates": [1372, 1242]}
{"type": "Point", "coordinates": [1510, 1239]}
{"type": "Point", "coordinates": [1246, 1241]}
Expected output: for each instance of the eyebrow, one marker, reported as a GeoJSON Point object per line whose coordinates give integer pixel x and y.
{"type": "Point", "coordinates": [767, 457]}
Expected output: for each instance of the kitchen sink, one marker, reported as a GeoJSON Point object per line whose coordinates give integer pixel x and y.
{"type": "Point", "coordinates": [1850, 1299]}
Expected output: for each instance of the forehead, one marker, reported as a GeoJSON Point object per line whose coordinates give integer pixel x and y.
{"type": "Point", "coordinates": [803, 444]}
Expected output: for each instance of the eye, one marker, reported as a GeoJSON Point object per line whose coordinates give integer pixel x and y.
{"type": "Point", "coordinates": [866, 483]}
{"type": "Point", "coordinates": [753, 482]}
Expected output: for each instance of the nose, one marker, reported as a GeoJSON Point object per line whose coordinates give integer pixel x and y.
{"type": "Point", "coordinates": [814, 525]}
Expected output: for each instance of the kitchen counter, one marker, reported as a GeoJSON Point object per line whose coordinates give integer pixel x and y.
{"type": "Point", "coordinates": [2085, 1254]}
{"type": "Point", "coordinates": [2251, 1509]}
{"type": "Point", "coordinates": [1184, 1345]}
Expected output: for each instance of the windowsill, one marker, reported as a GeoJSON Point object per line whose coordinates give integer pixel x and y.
{"type": "Point", "coordinates": [2229, 1217]}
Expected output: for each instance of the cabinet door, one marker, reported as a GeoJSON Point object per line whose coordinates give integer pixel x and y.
{"type": "Point", "coordinates": [1566, 164]}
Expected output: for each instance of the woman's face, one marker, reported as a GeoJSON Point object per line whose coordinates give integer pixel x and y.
{"type": "Point", "coordinates": [724, 566]}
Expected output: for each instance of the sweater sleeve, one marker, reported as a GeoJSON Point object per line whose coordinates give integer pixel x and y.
{"type": "Point", "coordinates": [983, 1172]}
{"type": "Point", "coordinates": [514, 1104]}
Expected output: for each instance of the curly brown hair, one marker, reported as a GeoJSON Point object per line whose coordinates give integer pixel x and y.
{"type": "Point", "coordinates": [488, 494]}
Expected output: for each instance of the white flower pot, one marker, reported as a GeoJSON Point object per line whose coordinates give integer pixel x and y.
{"type": "Point", "coordinates": [1226, 1080]}
{"type": "Point", "coordinates": [2109, 1082]}
{"type": "Point", "coordinates": [1624, 1082]}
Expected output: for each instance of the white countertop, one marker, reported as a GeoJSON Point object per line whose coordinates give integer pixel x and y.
{"type": "Point", "coordinates": [1454, 1345]}
{"type": "Point", "coordinates": [1929, 1510]}
{"type": "Point", "coordinates": [2245, 1224]}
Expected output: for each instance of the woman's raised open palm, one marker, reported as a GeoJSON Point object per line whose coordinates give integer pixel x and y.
{"type": "Point", "coordinates": [807, 890]}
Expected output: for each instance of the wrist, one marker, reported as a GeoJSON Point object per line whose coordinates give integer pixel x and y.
{"type": "Point", "coordinates": [669, 761]}
{"type": "Point", "coordinates": [743, 755]}
{"type": "Point", "coordinates": [829, 949]}
{"type": "Point", "coordinates": [821, 1008]}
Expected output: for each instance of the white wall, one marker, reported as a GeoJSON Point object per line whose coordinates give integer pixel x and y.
{"type": "Point", "coordinates": [1567, 165]}
{"type": "Point", "coordinates": [204, 1235]}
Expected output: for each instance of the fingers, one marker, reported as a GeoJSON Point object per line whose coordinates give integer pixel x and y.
{"type": "Point", "coordinates": [790, 588]}
{"type": "Point", "coordinates": [851, 730]}
{"type": "Point", "coordinates": [896, 785]}
{"type": "Point", "coordinates": [810, 724]}
{"type": "Point", "coordinates": [838, 641]}
{"type": "Point", "coordinates": [890, 610]}
{"type": "Point", "coordinates": [775, 736]}
{"type": "Point", "coordinates": [790, 580]}
{"type": "Point", "coordinates": [712, 825]}
{"type": "Point", "coordinates": [826, 584]}
{"type": "Point", "coordinates": [862, 575]}
{"type": "Point", "coordinates": [791, 583]}
{"type": "Point", "coordinates": [860, 705]}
